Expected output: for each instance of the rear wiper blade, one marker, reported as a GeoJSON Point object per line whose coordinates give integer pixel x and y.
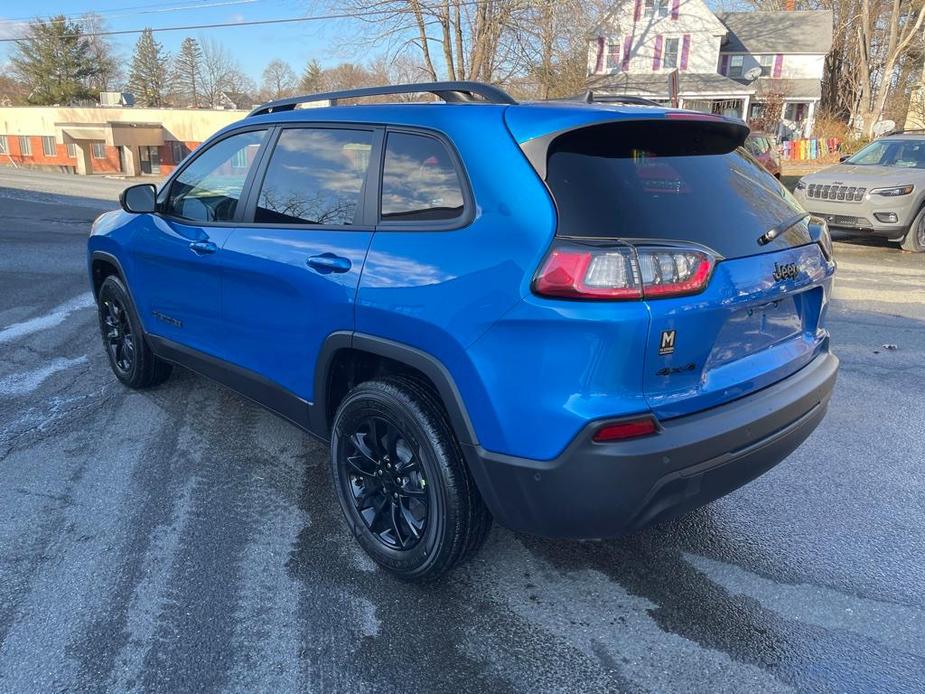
{"type": "Point", "coordinates": [776, 231]}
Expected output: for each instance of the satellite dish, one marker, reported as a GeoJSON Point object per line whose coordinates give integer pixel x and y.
{"type": "Point", "coordinates": [753, 73]}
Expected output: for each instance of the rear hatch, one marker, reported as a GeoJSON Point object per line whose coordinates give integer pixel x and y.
{"type": "Point", "coordinates": [660, 183]}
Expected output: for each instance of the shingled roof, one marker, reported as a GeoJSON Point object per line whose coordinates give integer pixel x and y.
{"type": "Point", "coordinates": [808, 31]}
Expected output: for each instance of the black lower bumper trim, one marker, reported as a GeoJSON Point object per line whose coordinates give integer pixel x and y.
{"type": "Point", "coordinates": [597, 490]}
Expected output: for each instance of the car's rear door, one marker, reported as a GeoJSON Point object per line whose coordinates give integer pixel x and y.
{"type": "Point", "coordinates": [292, 268]}
{"type": "Point", "coordinates": [177, 253]}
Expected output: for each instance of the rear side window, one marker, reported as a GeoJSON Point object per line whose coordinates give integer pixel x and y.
{"type": "Point", "coordinates": [315, 176]}
{"type": "Point", "coordinates": [208, 190]}
{"type": "Point", "coordinates": [419, 180]}
{"type": "Point", "coordinates": [667, 181]}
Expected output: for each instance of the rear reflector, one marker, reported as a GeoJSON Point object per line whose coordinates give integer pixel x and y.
{"type": "Point", "coordinates": [624, 272]}
{"type": "Point", "coordinates": [621, 431]}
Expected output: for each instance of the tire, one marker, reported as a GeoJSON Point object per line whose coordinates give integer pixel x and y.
{"type": "Point", "coordinates": [130, 358]}
{"type": "Point", "coordinates": [438, 518]}
{"type": "Point", "coordinates": [914, 241]}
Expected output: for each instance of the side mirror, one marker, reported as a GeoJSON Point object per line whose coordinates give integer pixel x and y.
{"type": "Point", "coordinates": [139, 199]}
{"type": "Point", "coordinates": [843, 159]}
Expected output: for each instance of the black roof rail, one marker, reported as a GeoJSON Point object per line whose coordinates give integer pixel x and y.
{"type": "Point", "coordinates": [903, 131]}
{"type": "Point", "coordinates": [451, 92]}
{"type": "Point", "coordinates": [592, 97]}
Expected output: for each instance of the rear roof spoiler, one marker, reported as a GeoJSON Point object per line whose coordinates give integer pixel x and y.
{"type": "Point", "coordinates": [732, 130]}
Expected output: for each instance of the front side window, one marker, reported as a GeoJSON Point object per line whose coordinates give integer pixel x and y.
{"type": "Point", "coordinates": [208, 190]}
{"type": "Point", "coordinates": [419, 180]}
{"type": "Point", "coordinates": [671, 53]}
{"type": "Point", "coordinates": [315, 176]}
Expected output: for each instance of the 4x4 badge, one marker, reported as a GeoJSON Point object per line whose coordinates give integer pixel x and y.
{"type": "Point", "coordinates": [666, 344]}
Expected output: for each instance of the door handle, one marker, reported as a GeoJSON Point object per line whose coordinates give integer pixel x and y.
{"type": "Point", "coordinates": [328, 262]}
{"type": "Point", "coordinates": [203, 247]}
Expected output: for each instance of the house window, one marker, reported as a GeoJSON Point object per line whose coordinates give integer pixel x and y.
{"type": "Point", "coordinates": [72, 150]}
{"type": "Point", "coordinates": [25, 146]}
{"type": "Point", "coordinates": [614, 57]}
{"type": "Point", "coordinates": [657, 8]}
{"type": "Point", "coordinates": [670, 59]}
{"type": "Point", "coordinates": [49, 149]}
{"type": "Point", "coordinates": [178, 151]}
{"type": "Point", "coordinates": [99, 150]}
{"type": "Point", "coordinates": [4, 147]}
{"type": "Point", "coordinates": [735, 65]}
{"type": "Point", "coordinates": [767, 64]}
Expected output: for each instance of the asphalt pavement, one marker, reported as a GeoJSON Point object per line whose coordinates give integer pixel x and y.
{"type": "Point", "coordinates": [182, 539]}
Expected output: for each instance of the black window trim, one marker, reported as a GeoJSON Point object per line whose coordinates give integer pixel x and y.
{"type": "Point", "coordinates": [369, 193]}
{"type": "Point", "coordinates": [468, 213]}
{"type": "Point", "coordinates": [164, 194]}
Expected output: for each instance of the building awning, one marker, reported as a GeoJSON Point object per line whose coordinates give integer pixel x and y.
{"type": "Point", "coordinates": [113, 133]}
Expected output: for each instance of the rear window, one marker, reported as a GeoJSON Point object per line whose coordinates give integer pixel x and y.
{"type": "Point", "coordinates": [419, 180]}
{"type": "Point", "coordinates": [675, 182]}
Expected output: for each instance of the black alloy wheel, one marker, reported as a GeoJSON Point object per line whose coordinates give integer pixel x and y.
{"type": "Point", "coordinates": [402, 481]}
{"type": "Point", "coordinates": [387, 483]}
{"type": "Point", "coordinates": [118, 334]}
{"type": "Point", "coordinates": [130, 357]}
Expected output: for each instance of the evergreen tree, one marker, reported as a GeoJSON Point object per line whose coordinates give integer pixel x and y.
{"type": "Point", "coordinates": [54, 62]}
{"type": "Point", "coordinates": [312, 78]}
{"type": "Point", "coordinates": [187, 73]}
{"type": "Point", "coordinates": [148, 76]}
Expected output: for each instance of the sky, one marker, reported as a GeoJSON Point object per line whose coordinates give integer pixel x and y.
{"type": "Point", "coordinates": [252, 46]}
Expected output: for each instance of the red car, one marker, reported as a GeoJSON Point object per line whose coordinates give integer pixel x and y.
{"type": "Point", "coordinates": [764, 148]}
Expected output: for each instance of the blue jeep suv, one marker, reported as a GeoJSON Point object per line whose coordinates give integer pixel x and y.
{"type": "Point", "coordinates": [574, 318]}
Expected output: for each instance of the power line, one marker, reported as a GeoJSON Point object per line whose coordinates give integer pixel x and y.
{"type": "Point", "coordinates": [252, 22]}
{"type": "Point", "coordinates": [148, 8]}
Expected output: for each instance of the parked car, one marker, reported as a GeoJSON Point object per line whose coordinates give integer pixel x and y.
{"type": "Point", "coordinates": [763, 147]}
{"type": "Point", "coordinates": [574, 319]}
{"type": "Point", "coordinates": [879, 191]}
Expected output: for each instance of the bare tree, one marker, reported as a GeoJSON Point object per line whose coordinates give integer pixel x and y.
{"type": "Point", "coordinates": [887, 31]}
{"type": "Point", "coordinates": [108, 74]}
{"type": "Point", "coordinates": [217, 66]}
{"type": "Point", "coordinates": [279, 80]}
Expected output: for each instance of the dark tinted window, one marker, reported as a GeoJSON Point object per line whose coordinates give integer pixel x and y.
{"type": "Point", "coordinates": [315, 176]}
{"type": "Point", "coordinates": [668, 182]}
{"type": "Point", "coordinates": [209, 188]}
{"type": "Point", "coordinates": [419, 181]}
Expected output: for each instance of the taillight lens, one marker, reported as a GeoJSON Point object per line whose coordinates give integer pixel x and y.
{"type": "Point", "coordinates": [622, 272]}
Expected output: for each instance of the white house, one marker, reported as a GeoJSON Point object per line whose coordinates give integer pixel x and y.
{"type": "Point", "coordinates": [734, 63]}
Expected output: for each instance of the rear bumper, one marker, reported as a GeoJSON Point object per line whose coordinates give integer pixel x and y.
{"type": "Point", "coordinates": [597, 490]}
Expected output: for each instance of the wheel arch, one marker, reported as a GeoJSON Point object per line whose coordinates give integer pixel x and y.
{"type": "Point", "coordinates": [348, 347]}
{"type": "Point", "coordinates": [102, 265]}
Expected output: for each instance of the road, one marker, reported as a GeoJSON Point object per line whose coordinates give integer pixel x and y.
{"type": "Point", "coordinates": [183, 539]}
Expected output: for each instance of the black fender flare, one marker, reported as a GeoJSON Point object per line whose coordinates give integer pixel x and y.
{"type": "Point", "coordinates": [412, 357]}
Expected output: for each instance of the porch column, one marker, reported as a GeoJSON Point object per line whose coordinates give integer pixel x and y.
{"type": "Point", "coordinates": [810, 119]}
{"type": "Point", "coordinates": [745, 104]}
{"type": "Point", "coordinates": [84, 162]}
{"type": "Point", "coordinates": [130, 160]}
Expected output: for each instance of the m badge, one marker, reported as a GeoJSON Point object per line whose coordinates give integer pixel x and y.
{"type": "Point", "coordinates": [666, 344]}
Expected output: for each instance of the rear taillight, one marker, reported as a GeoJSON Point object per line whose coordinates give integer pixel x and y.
{"type": "Point", "coordinates": [577, 271]}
